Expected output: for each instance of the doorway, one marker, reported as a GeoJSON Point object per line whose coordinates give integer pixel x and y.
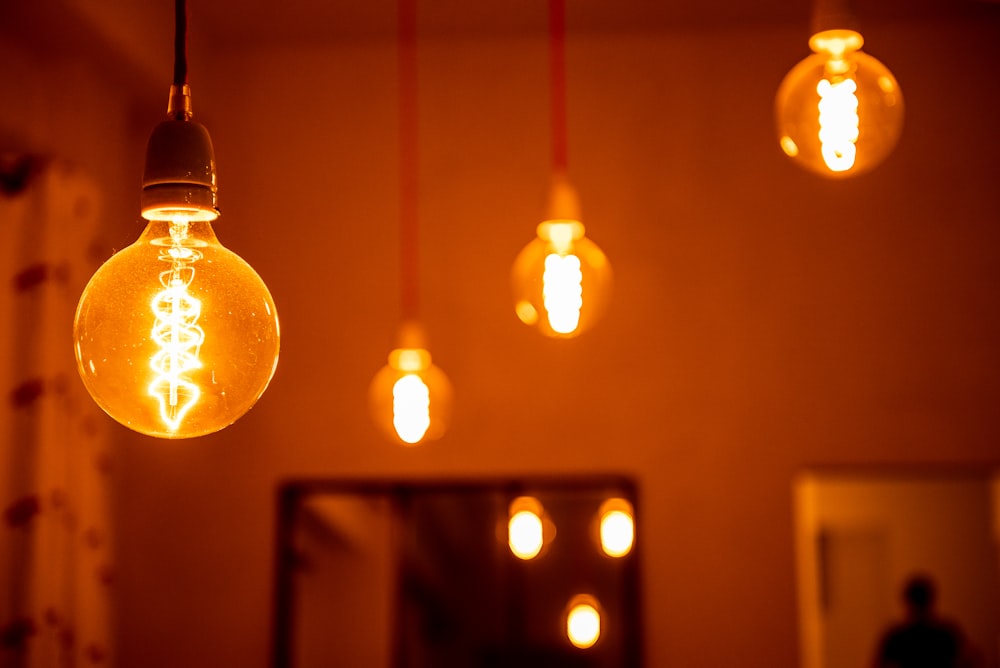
{"type": "Point", "coordinates": [861, 533]}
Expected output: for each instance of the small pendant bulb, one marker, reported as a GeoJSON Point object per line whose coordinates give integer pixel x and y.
{"type": "Point", "coordinates": [411, 397]}
{"type": "Point", "coordinates": [839, 112]}
{"type": "Point", "coordinates": [561, 280]}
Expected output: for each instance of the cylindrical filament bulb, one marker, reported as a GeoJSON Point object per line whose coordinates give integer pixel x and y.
{"type": "Point", "coordinates": [839, 111]}
{"type": "Point", "coordinates": [411, 408]}
{"type": "Point", "coordinates": [176, 331]}
{"type": "Point", "coordinates": [838, 122]}
{"type": "Point", "coordinates": [562, 291]}
{"type": "Point", "coordinates": [410, 396]}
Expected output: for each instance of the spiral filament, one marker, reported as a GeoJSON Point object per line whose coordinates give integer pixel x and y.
{"type": "Point", "coordinates": [562, 291]}
{"type": "Point", "coordinates": [176, 331]}
{"type": "Point", "coordinates": [411, 402]}
{"type": "Point", "coordinates": [838, 123]}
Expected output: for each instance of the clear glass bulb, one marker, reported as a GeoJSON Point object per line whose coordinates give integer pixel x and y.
{"type": "Point", "coordinates": [411, 397]}
{"type": "Point", "coordinates": [839, 112]}
{"type": "Point", "coordinates": [176, 336]}
{"type": "Point", "coordinates": [561, 280]}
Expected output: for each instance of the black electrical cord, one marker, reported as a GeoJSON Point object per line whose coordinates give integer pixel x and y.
{"type": "Point", "coordinates": [180, 43]}
{"type": "Point", "coordinates": [179, 103]}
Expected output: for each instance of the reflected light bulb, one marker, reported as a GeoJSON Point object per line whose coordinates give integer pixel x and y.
{"type": "Point", "coordinates": [839, 112]}
{"type": "Point", "coordinates": [411, 397]}
{"type": "Point", "coordinates": [583, 621]}
{"type": "Point", "coordinates": [561, 280]}
{"type": "Point", "coordinates": [617, 527]}
{"type": "Point", "coordinates": [177, 336]}
{"type": "Point", "coordinates": [525, 534]}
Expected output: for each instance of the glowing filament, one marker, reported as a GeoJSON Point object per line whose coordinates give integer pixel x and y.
{"type": "Point", "coordinates": [411, 408]}
{"type": "Point", "coordinates": [562, 291]}
{"type": "Point", "coordinates": [838, 123]}
{"type": "Point", "coordinates": [176, 332]}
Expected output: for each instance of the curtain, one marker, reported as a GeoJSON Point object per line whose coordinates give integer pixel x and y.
{"type": "Point", "coordinates": [56, 557]}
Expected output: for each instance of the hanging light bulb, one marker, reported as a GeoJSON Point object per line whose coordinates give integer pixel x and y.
{"type": "Point", "coordinates": [561, 279]}
{"type": "Point", "coordinates": [840, 111]}
{"type": "Point", "coordinates": [411, 397]}
{"type": "Point", "coordinates": [177, 336]}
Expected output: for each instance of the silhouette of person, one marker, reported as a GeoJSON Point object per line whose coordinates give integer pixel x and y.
{"type": "Point", "coordinates": [923, 639]}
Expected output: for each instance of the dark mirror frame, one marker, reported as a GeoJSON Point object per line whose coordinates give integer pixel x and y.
{"type": "Point", "coordinates": [624, 650]}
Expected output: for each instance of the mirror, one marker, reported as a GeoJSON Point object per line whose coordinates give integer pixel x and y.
{"type": "Point", "coordinates": [436, 574]}
{"type": "Point", "coordinates": [861, 534]}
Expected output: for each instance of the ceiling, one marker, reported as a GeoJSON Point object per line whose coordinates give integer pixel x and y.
{"type": "Point", "coordinates": [132, 41]}
{"type": "Point", "coordinates": [234, 22]}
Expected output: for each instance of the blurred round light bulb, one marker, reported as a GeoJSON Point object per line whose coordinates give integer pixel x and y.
{"type": "Point", "coordinates": [583, 621]}
{"type": "Point", "coordinates": [617, 527]}
{"type": "Point", "coordinates": [410, 397]}
{"type": "Point", "coordinates": [839, 112]}
{"type": "Point", "coordinates": [561, 280]}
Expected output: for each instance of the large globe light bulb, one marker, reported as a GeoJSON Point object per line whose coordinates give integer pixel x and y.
{"type": "Point", "coordinates": [561, 280]}
{"type": "Point", "coordinates": [839, 112]}
{"type": "Point", "coordinates": [176, 336]}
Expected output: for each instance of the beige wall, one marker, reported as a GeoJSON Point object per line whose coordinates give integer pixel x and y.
{"type": "Point", "coordinates": [763, 320]}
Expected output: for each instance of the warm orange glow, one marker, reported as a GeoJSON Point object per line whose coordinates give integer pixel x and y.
{"type": "Point", "coordinates": [838, 123]}
{"type": "Point", "coordinates": [527, 313]}
{"type": "Point", "coordinates": [789, 146]}
{"type": "Point", "coordinates": [525, 529]}
{"type": "Point", "coordinates": [836, 43]}
{"type": "Point", "coordinates": [562, 292]}
{"type": "Point", "coordinates": [561, 234]}
{"type": "Point", "coordinates": [583, 621]}
{"type": "Point", "coordinates": [617, 527]}
{"type": "Point", "coordinates": [411, 408]}
{"type": "Point", "coordinates": [563, 276]}
{"type": "Point", "coordinates": [410, 396]}
{"type": "Point", "coordinates": [176, 336]}
{"type": "Point", "coordinates": [176, 331]}
{"type": "Point", "coordinates": [839, 111]}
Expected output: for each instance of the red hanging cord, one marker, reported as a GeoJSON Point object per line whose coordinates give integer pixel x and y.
{"type": "Point", "coordinates": [557, 84]}
{"type": "Point", "coordinates": [409, 160]}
